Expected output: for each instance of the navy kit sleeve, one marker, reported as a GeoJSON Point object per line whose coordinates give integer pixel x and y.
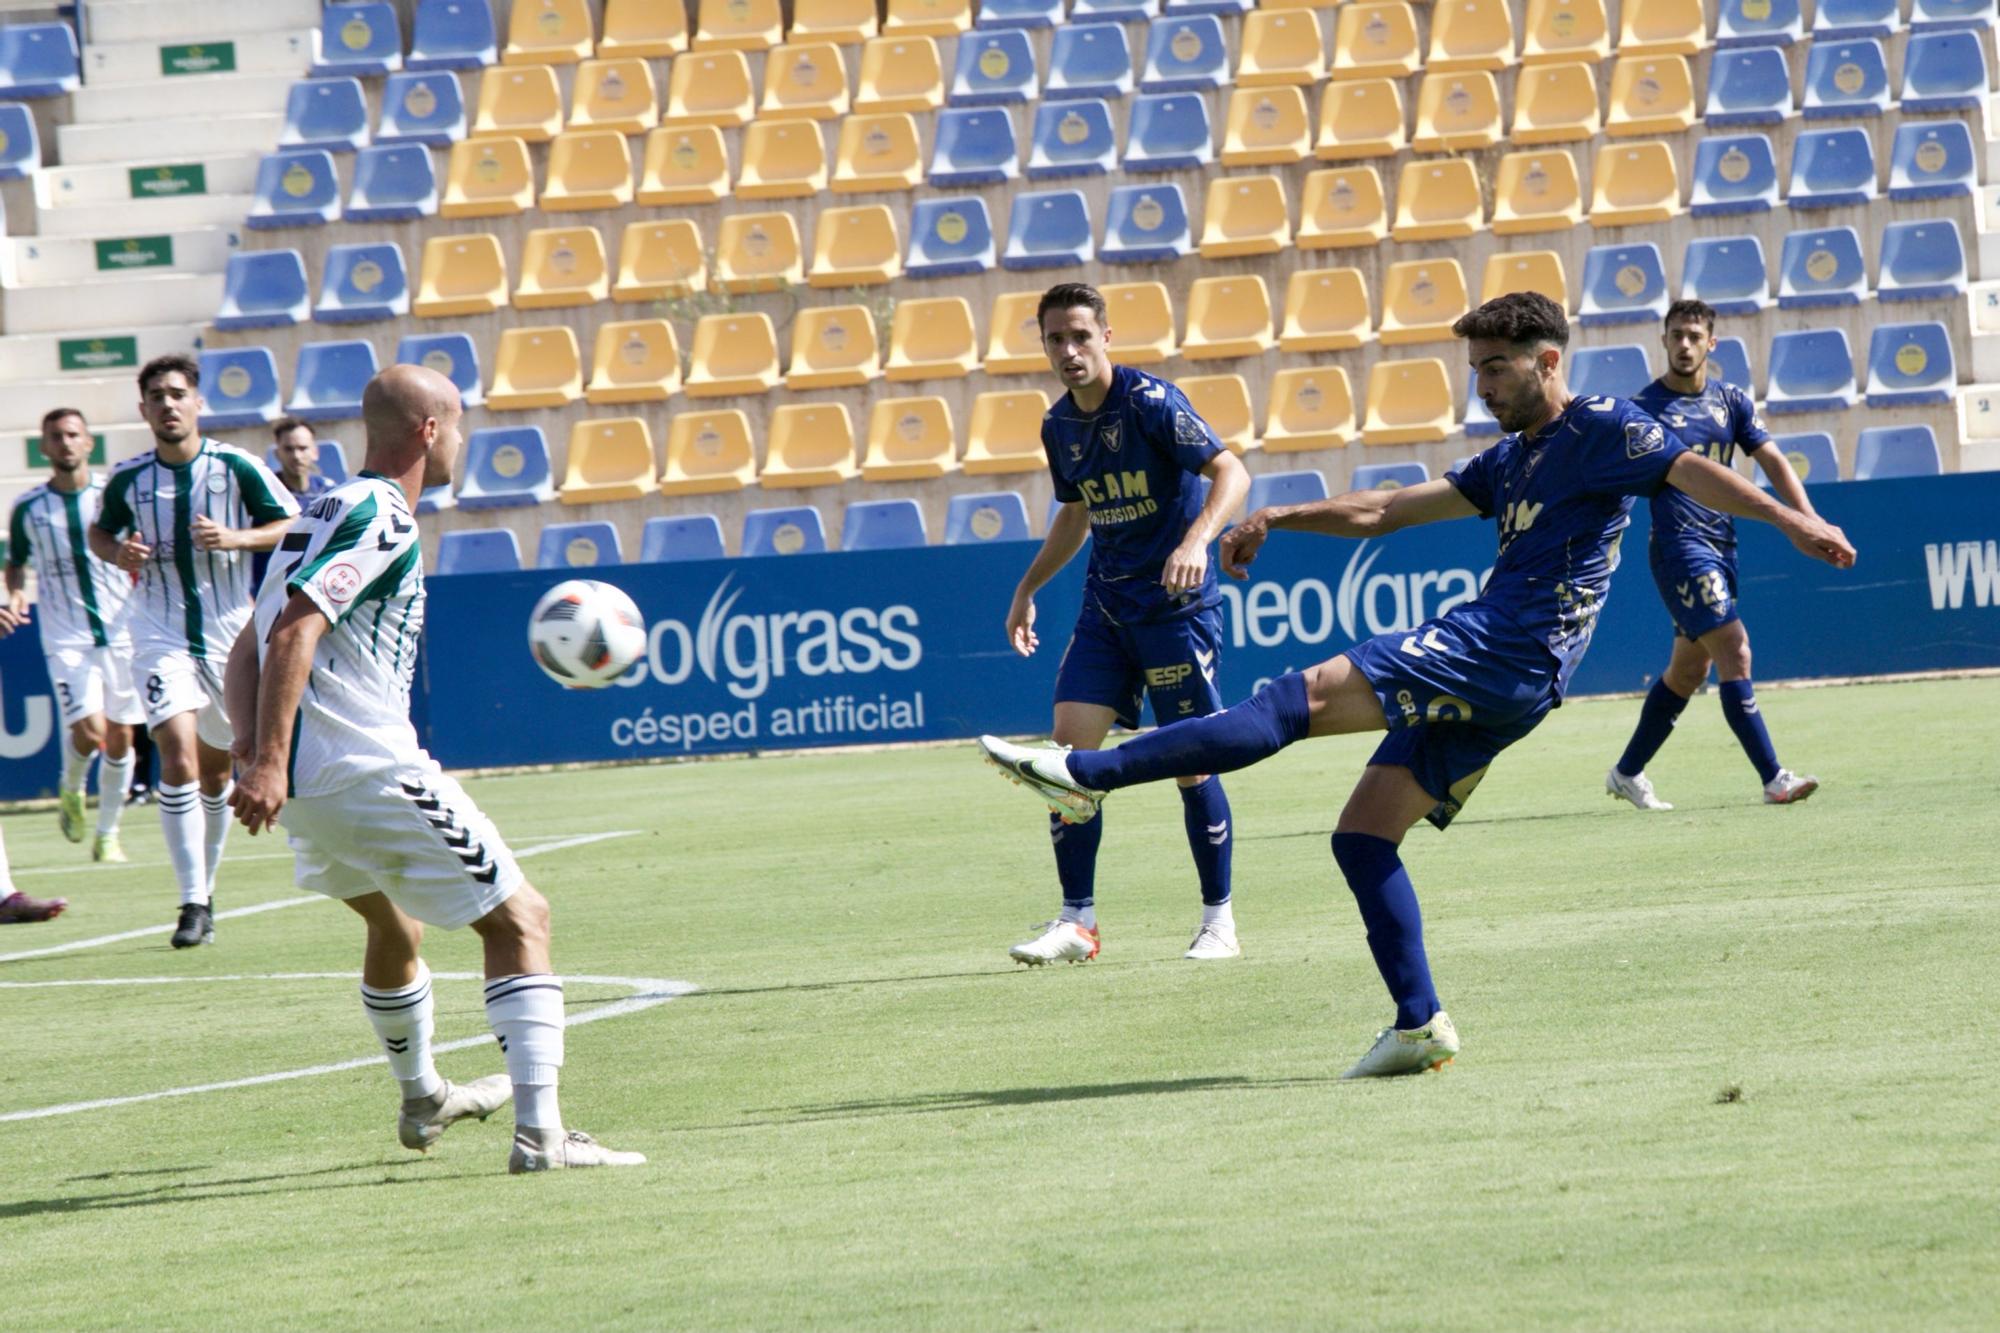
{"type": "Point", "coordinates": [1474, 479]}
{"type": "Point", "coordinates": [1629, 452]}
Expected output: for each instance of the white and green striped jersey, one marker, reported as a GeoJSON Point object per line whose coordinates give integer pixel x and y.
{"type": "Point", "coordinates": [186, 596]}
{"type": "Point", "coordinates": [79, 599]}
{"type": "Point", "coordinates": [355, 555]}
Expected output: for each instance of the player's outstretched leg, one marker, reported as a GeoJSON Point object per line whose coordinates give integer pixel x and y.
{"type": "Point", "coordinates": [1205, 811]}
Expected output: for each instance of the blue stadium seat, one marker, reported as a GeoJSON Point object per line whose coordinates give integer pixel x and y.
{"type": "Point", "coordinates": [993, 69]}
{"type": "Point", "coordinates": [1831, 168]}
{"type": "Point", "coordinates": [1728, 272]}
{"type": "Point", "coordinates": [325, 113]}
{"type": "Point", "coordinates": [975, 146]}
{"type": "Point", "coordinates": [795, 530]}
{"type": "Point", "coordinates": [681, 537]}
{"type": "Point", "coordinates": [263, 289]}
{"type": "Point", "coordinates": [1845, 79]}
{"type": "Point", "coordinates": [37, 60]}
{"type": "Point", "coordinates": [1838, 20]}
{"type": "Point", "coordinates": [1947, 15]}
{"type": "Point", "coordinates": [1910, 364]}
{"type": "Point", "coordinates": [1478, 421]}
{"type": "Point", "coordinates": [1822, 267]}
{"type": "Point", "coordinates": [433, 498]}
{"type": "Point", "coordinates": [1185, 55]}
{"type": "Point", "coordinates": [882, 525]}
{"type": "Point", "coordinates": [329, 378]}
{"type": "Point", "coordinates": [240, 385]}
{"type": "Point", "coordinates": [1750, 86]}
{"type": "Point", "coordinates": [1049, 229]}
{"type": "Point", "coordinates": [1735, 174]}
{"type": "Point", "coordinates": [1112, 11]}
{"type": "Point", "coordinates": [1089, 60]}
{"type": "Point", "coordinates": [20, 146]}
{"type": "Point", "coordinates": [949, 237]}
{"type": "Point", "coordinates": [1811, 455]}
{"type": "Point", "coordinates": [991, 516]}
{"type": "Point", "coordinates": [587, 545]}
{"type": "Point", "coordinates": [1019, 14]}
{"type": "Point", "coordinates": [1896, 451]}
{"type": "Point", "coordinates": [295, 189]}
{"type": "Point", "coordinates": [1074, 138]}
{"type": "Point", "coordinates": [393, 183]}
{"type": "Point", "coordinates": [1284, 488]}
{"type": "Point", "coordinates": [1174, 8]}
{"type": "Point", "coordinates": [1618, 372]}
{"type": "Point", "coordinates": [426, 107]}
{"type": "Point", "coordinates": [359, 38]}
{"type": "Point", "coordinates": [1623, 284]}
{"type": "Point", "coordinates": [363, 282]}
{"type": "Point", "coordinates": [488, 551]}
{"type": "Point", "coordinates": [1944, 71]}
{"type": "Point", "coordinates": [506, 467]}
{"type": "Point", "coordinates": [1923, 259]}
{"type": "Point", "coordinates": [1146, 224]}
{"type": "Point", "coordinates": [452, 34]}
{"type": "Point", "coordinates": [1168, 132]}
{"type": "Point", "coordinates": [1812, 370]}
{"type": "Point", "coordinates": [451, 355]}
{"type": "Point", "coordinates": [1388, 476]}
{"type": "Point", "coordinates": [1932, 159]}
{"type": "Point", "coordinates": [1730, 361]}
{"type": "Point", "coordinates": [1759, 23]}
{"type": "Point", "coordinates": [332, 461]}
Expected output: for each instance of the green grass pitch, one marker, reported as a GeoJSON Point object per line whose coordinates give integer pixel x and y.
{"type": "Point", "coordinates": [1725, 1068]}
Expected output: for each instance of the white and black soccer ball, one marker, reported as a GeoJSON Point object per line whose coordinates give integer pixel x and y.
{"type": "Point", "coordinates": [586, 634]}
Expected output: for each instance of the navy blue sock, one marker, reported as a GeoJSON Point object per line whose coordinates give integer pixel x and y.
{"type": "Point", "coordinates": [1388, 902]}
{"type": "Point", "coordinates": [1076, 859]}
{"type": "Point", "coordinates": [1222, 742]}
{"type": "Point", "coordinates": [1656, 723]}
{"type": "Point", "coordinates": [1206, 810]}
{"type": "Point", "coordinates": [1739, 705]}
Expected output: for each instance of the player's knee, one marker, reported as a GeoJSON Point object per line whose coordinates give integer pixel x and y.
{"type": "Point", "coordinates": [87, 735]}
{"type": "Point", "coordinates": [1190, 783]}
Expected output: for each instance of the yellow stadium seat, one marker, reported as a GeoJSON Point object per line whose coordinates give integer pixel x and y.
{"type": "Point", "coordinates": [684, 164]}
{"type": "Point", "coordinates": [811, 444]}
{"type": "Point", "coordinates": [1457, 112]}
{"type": "Point", "coordinates": [782, 159]}
{"type": "Point", "coordinates": [1298, 4]}
{"type": "Point", "coordinates": [523, 103]}
{"type": "Point", "coordinates": [535, 367]}
{"type": "Point", "coordinates": [1246, 215]}
{"type": "Point", "coordinates": [931, 338]}
{"type": "Point", "coordinates": [1632, 183]}
{"type": "Point", "coordinates": [1267, 127]}
{"type": "Point", "coordinates": [1409, 402]}
{"type": "Point", "coordinates": [899, 73]}
{"type": "Point", "coordinates": [1471, 34]}
{"type": "Point", "coordinates": [614, 95]}
{"type": "Point", "coordinates": [1227, 317]}
{"type": "Point", "coordinates": [1312, 407]}
{"type": "Point", "coordinates": [461, 275]}
{"type": "Point", "coordinates": [588, 169]}
{"type": "Point", "coordinates": [1326, 310]}
{"type": "Point", "coordinates": [1650, 95]}
{"type": "Point", "coordinates": [738, 25]}
{"type": "Point", "coordinates": [562, 266]}
{"type": "Point", "coordinates": [1537, 191]}
{"type": "Point", "coordinates": [1141, 318]}
{"type": "Point", "coordinates": [1661, 27]}
{"type": "Point", "coordinates": [488, 178]}
{"type": "Point", "coordinates": [1281, 46]}
{"type": "Point", "coordinates": [1420, 299]}
{"type": "Point", "coordinates": [1005, 434]}
{"type": "Point", "coordinates": [1362, 118]}
{"type": "Point", "coordinates": [1555, 104]}
{"type": "Point", "coordinates": [1375, 40]}
{"type": "Point", "coordinates": [649, 29]}
{"type": "Point", "coordinates": [757, 252]}
{"type": "Point", "coordinates": [710, 88]}
{"type": "Point", "coordinates": [856, 247]}
{"type": "Point", "coordinates": [1342, 207]}
{"type": "Point", "coordinates": [658, 261]}
{"type": "Point", "coordinates": [1526, 271]}
{"type": "Point", "coordinates": [1437, 201]}
{"type": "Point", "coordinates": [878, 153]}
{"type": "Point", "coordinates": [548, 32]}
{"type": "Point", "coordinates": [1223, 401]}
{"type": "Point", "coordinates": [833, 347]}
{"type": "Point", "coordinates": [635, 361]}
{"type": "Point", "coordinates": [805, 82]}
{"type": "Point", "coordinates": [609, 459]}
{"type": "Point", "coordinates": [842, 22]}
{"type": "Point", "coordinates": [1014, 341]}
{"type": "Point", "coordinates": [1564, 30]}
{"type": "Point", "coordinates": [910, 439]}
{"type": "Point", "coordinates": [733, 354]}
{"type": "Point", "coordinates": [708, 453]}
{"type": "Point", "coordinates": [928, 18]}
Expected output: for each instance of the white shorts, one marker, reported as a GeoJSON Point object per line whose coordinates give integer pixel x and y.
{"type": "Point", "coordinates": [89, 681]}
{"type": "Point", "coordinates": [173, 681]}
{"type": "Point", "coordinates": [410, 833]}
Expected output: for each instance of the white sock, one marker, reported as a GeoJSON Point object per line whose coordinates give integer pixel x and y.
{"type": "Point", "coordinates": [527, 1015]}
{"type": "Point", "coordinates": [114, 779]}
{"type": "Point", "coordinates": [215, 831]}
{"type": "Point", "coordinates": [1085, 916]}
{"type": "Point", "coordinates": [76, 767]}
{"type": "Point", "coordinates": [180, 820]}
{"type": "Point", "coordinates": [1218, 914]}
{"type": "Point", "coordinates": [403, 1019]}
{"type": "Point", "coordinates": [6, 874]}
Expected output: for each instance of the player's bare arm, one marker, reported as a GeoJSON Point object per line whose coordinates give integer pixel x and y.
{"type": "Point", "coordinates": [1355, 514]}
{"type": "Point", "coordinates": [1067, 531]}
{"type": "Point", "coordinates": [260, 788]}
{"type": "Point", "coordinates": [1783, 480]}
{"type": "Point", "coordinates": [15, 613]}
{"type": "Point", "coordinates": [1229, 483]}
{"type": "Point", "coordinates": [212, 536]}
{"type": "Point", "coordinates": [1719, 488]}
{"type": "Point", "coordinates": [129, 553]}
{"type": "Point", "coordinates": [239, 695]}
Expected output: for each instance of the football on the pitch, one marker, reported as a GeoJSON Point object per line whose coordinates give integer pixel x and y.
{"type": "Point", "coordinates": [586, 634]}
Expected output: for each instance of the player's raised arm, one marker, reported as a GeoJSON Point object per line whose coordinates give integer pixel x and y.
{"type": "Point", "coordinates": [1355, 514]}
{"type": "Point", "coordinates": [261, 787]}
{"type": "Point", "coordinates": [1719, 488]}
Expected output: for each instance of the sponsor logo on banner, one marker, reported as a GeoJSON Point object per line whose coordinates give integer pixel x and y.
{"type": "Point", "coordinates": [1363, 603]}
{"type": "Point", "coordinates": [1956, 567]}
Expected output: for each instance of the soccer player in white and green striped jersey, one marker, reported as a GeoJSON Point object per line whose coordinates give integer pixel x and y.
{"type": "Point", "coordinates": [185, 520]}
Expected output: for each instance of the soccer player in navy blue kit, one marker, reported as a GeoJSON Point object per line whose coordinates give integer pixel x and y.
{"type": "Point", "coordinates": [1127, 452]}
{"type": "Point", "coordinates": [1693, 552]}
{"type": "Point", "coordinates": [1459, 689]}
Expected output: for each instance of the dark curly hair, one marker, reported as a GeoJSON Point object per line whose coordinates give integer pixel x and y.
{"type": "Point", "coordinates": [167, 365]}
{"type": "Point", "coordinates": [1067, 296]}
{"type": "Point", "coordinates": [1690, 309]}
{"type": "Point", "coordinates": [1520, 318]}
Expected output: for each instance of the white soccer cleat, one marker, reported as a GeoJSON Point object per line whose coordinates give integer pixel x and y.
{"type": "Point", "coordinates": [1061, 942]}
{"type": "Point", "coordinates": [423, 1119]}
{"type": "Point", "coordinates": [559, 1150]}
{"type": "Point", "coordinates": [1215, 940]}
{"type": "Point", "coordinates": [1637, 789]}
{"type": "Point", "coordinates": [1788, 788]}
{"type": "Point", "coordinates": [1414, 1051]}
{"type": "Point", "coordinates": [1043, 770]}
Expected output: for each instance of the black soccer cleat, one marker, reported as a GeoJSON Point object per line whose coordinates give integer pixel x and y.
{"type": "Point", "coordinates": [197, 926]}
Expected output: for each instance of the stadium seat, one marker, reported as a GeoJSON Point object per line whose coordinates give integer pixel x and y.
{"type": "Point", "coordinates": [782, 159]}
{"type": "Point", "coordinates": [1421, 298]}
{"type": "Point", "coordinates": [548, 32]}
{"type": "Point", "coordinates": [1617, 372]}
{"type": "Point", "coordinates": [1359, 118]}
{"type": "Point", "coordinates": [658, 261]}
{"type": "Point", "coordinates": [1661, 27]}
{"type": "Point", "coordinates": [993, 69]}
{"type": "Point", "coordinates": [1185, 55]}
{"type": "Point", "coordinates": [1478, 421]}
{"type": "Point", "coordinates": [1727, 272]}
{"type": "Point", "coordinates": [992, 516]}
{"type": "Point", "coordinates": [1846, 79]}
{"type": "Point", "coordinates": [37, 60]}
{"type": "Point", "coordinates": [452, 34]}
{"type": "Point", "coordinates": [1896, 451]}
{"type": "Point", "coordinates": [461, 275]}
{"type": "Point", "coordinates": [1730, 360]}
{"type": "Point", "coordinates": [240, 385]}
{"type": "Point", "coordinates": [524, 103]}
{"type": "Point", "coordinates": [1168, 132]}
{"type": "Point", "coordinates": [1843, 20]}
{"type": "Point", "coordinates": [614, 95]}
{"type": "Point", "coordinates": [1811, 370]}
{"type": "Point", "coordinates": [882, 525]}
{"type": "Point", "coordinates": [328, 379]}
{"type": "Point", "coordinates": [263, 289]}
{"type": "Point", "coordinates": [1073, 138]}
{"type": "Point", "coordinates": [358, 37]}
{"type": "Point", "coordinates": [811, 444]}
{"type": "Point", "coordinates": [1556, 31]}
{"type": "Point", "coordinates": [1534, 192]}
{"type": "Point", "coordinates": [1758, 23]}
{"type": "Point", "coordinates": [1113, 11]}
{"type": "Point", "coordinates": [737, 25]}
{"type": "Point", "coordinates": [899, 73]}
{"type": "Point", "coordinates": [1176, 8]}
{"type": "Point", "coordinates": [1005, 434]}
{"type": "Point", "coordinates": [927, 18]}
{"type": "Point", "coordinates": [20, 146]}
{"type": "Point", "coordinates": [950, 237]}
{"type": "Point", "coordinates": [687, 164]}
{"type": "Point", "coordinates": [1953, 15]}
{"type": "Point", "coordinates": [855, 247]}
{"type": "Point", "coordinates": [1923, 259]}
{"type": "Point", "coordinates": [1944, 71]}
{"type": "Point", "coordinates": [534, 367]}
{"type": "Point", "coordinates": [1555, 104]}
{"type": "Point", "coordinates": [1326, 310]}
{"type": "Point", "coordinates": [610, 458]}
{"type": "Point", "coordinates": [974, 146]}
{"type": "Point", "coordinates": [1050, 229]}
{"type": "Point", "coordinates": [1457, 112]}
{"type": "Point", "coordinates": [1311, 408]}
{"type": "Point", "coordinates": [1438, 201]}
{"type": "Point", "coordinates": [1409, 402]}
{"type": "Point", "coordinates": [392, 183]}
{"type": "Point", "coordinates": [710, 88]}
{"type": "Point", "coordinates": [1141, 317]}
{"type": "Point", "coordinates": [804, 83]}
{"type": "Point", "coordinates": [1223, 401]}
{"type": "Point", "coordinates": [931, 338]}
{"type": "Point", "coordinates": [708, 453]}
{"type": "Point", "coordinates": [1471, 35]}
{"type": "Point", "coordinates": [363, 282]}
{"type": "Point", "coordinates": [1267, 127]}
{"type": "Point", "coordinates": [488, 178]}
{"type": "Point", "coordinates": [1281, 46]}
{"type": "Point", "coordinates": [1831, 168]}
{"type": "Point", "coordinates": [562, 266]}
{"type": "Point", "coordinates": [1019, 14]}
{"type": "Point", "coordinates": [1749, 86]}
{"type": "Point", "coordinates": [1633, 183]}
{"type": "Point", "coordinates": [1737, 174]}
{"type": "Point", "coordinates": [1284, 488]}
{"type": "Point", "coordinates": [1650, 95]}
{"type": "Point", "coordinates": [425, 108]}
{"type": "Point", "coordinates": [487, 551]}
{"type": "Point", "coordinates": [842, 22]}
{"type": "Point", "coordinates": [588, 169]}
{"type": "Point", "coordinates": [579, 545]}
{"type": "Point", "coordinates": [878, 153]}
{"type": "Point", "coordinates": [1014, 336]}
{"type": "Point", "coordinates": [643, 28]}
{"type": "Point", "coordinates": [1245, 215]}
{"type": "Point", "coordinates": [833, 347]}
{"type": "Point", "coordinates": [794, 530]}
{"type": "Point", "coordinates": [1145, 224]}
{"type": "Point", "coordinates": [325, 113]}
{"type": "Point", "coordinates": [294, 189]}
{"type": "Point", "coordinates": [680, 536]}
{"type": "Point", "coordinates": [910, 439]}
{"type": "Point", "coordinates": [1822, 268]}
{"type": "Point", "coordinates": [1811, 456]}
{"type": "Point", "coordinates": [757, 252]}
{"type": "Point", "coordinates": [1387, 476]}
{"type": "Point", "coordinates": [1910, 364]}
{"type": "Point", "coordinates": [1341, 208]}
{"type": "Point", "coordinates": [451, 355]}
{"type": "Point", "coordinates": [1375, 40]}
{"type": "Point", "coordinates": [733, 354]}
{"type": "Point", "coordinates": [1089, 60]}
{"type": "Point", "coordinates": [1227, 317]}
{"type": "Point", "coordinates": [506, 467]}
{"type": "Point", "coordinates": [1932, 160]}
{"type": "Point", "coordinates": [1525, 271]}
{"type": "Point", "coordinates": [1623, 284]}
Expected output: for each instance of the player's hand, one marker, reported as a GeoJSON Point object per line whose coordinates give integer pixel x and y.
{"type": "Point", "coordinates": [1021, 626]}
{"type": "Point", "coordinates": [212, 536]}
{"type": "Point", "coordinates": [1186, 567]}
{"type": "Point", "coordinates": [260, 794]}
{"type": "Point", "coordinates": [133, 554]}
{"type": "Point", "coordinates": [1822, 541]}
{"type": "Point", "coordinates": [11, 619]}
{"type": "Point", "coordinates": [1241, 543]}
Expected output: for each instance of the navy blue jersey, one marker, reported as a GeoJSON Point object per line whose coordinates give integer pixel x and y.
{"type": "Point", "coordinates": [1714, 423]}
{"type": "Point", "coordinates": [1137, 462]}
{"type": "Point", "coordinates": [1563, 497]}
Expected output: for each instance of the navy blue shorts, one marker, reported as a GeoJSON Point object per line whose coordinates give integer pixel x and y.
{"type": "Point", "coordinates": [1172, 662]}
{"type": "Point", "coordinates": [1456, 691]}
{"type": "Point", "coordinates": [1698, 584]}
